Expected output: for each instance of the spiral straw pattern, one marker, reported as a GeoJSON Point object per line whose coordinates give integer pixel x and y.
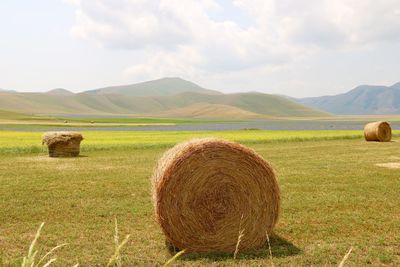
{"type": "Point", "coordinates": [378, 131]}
{"type": "Point", "coordinates": [204, 190]}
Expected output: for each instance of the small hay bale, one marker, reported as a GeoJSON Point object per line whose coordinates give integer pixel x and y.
{"type": "Point", "coordinates": [378, 131]}
{"type": "Point", "coordinates": [206, 190]}
{"type": "Point", "coordinates": [63, 144]}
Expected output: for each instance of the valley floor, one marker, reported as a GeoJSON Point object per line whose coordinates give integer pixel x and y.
{"type": "Point", "coordinates": [334, 197]}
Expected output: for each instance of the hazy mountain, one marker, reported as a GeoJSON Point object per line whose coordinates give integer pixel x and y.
{"type": "Point", "coordinates": [5, 90]}
{"type": "Point", "coordinates": [183, 105]}
{"type": "Point", "coordinates": [396, 85]}
{"type": "Point", "coordinates": [59, 91]}
{"type": "Point", "coordinates": [362, 100]}
{"type": "Point", "coordinates": [160, 87]}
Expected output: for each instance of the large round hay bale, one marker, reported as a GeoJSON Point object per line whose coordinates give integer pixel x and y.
{"type": "Point", "coordinates": [207, 190]}
{"type": "Point", "coordinates": [63, 144]}
{"type": "Point", "coordinates": [378, 131]}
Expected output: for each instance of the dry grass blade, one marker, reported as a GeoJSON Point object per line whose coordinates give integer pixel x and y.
{"type": "Point", "coordinates": [32, 246]}
{"type": "Point", "coordinates": [116, 257]}
{"type": "Point", "coordinates": [50, 252]}
{"type": "Point", "coordinates": [174, 258]}
{"type": "Point", "coordinates": [117, 254]}
{"type": "Point", "coordinates": [29, 260]}
{"type": "Point", "coordinates": [49, 262]}
{"type": "Point", "coordinates": [341, 264]}
{"type": "Point", "coordinates": [116, 242]}
{"type": "Point", "coordinates": [240, 236]}
{"type": "Point", "coordinates": [269, 249]}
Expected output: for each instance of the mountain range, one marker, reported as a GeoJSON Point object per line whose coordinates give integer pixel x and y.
{"type": "Point", "coordinates": [362, 100]}
{"type": "Point", "coordinates": [160, 87]}
{"type": "Point", "coordinates": [167, 97]}
{"type": "Point", "coordinates": [175, 97]}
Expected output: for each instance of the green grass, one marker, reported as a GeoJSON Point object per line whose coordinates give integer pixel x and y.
{"type": "Point", "coordinates": [21, 142]}
{"type": "Point", "coordinates": [333, 198]}
{"type": "Point", "coordinates": [140, 120]}
{"type": "Point", "coordinates": [9, 115]}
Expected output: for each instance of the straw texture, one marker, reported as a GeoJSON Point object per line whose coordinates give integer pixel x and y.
{"type": "Point", "coordinates": [63, 144]}
{"type": "Point", "coordinates": [204, 190]}
{"type": "Point", "coordinates": [378, 131]}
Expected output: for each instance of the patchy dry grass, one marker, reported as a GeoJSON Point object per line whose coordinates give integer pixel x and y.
{"type": "Point", "coordinates": [333, 197]}
{"type": "Point", "coordinates": [389, 165]}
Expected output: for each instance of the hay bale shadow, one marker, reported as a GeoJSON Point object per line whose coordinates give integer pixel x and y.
{"type": "Point", "coordinates": [280, 247]}
{"type": "Point", "coordinates": [79, 156]}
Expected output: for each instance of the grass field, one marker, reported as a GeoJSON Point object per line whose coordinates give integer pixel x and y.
{"type": "Point", "coordinates": [18, 142]}
{"type": "Point", "coordinates": [32, 122]}
{"type": "Point", "coordinates": [333, 197]}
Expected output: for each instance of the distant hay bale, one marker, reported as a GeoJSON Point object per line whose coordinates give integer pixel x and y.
{"type": "Point", "coordinates": [63, 144]}
{"type": "Point", "coordinates": [378, 131]}
{"type": "Point", "coordinates": [207, 190]}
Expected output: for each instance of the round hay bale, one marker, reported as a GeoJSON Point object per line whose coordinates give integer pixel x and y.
{"type": "Point", "coordinates": [62, 144]}
{"type": "Point", "coordinates": [378, 131]}
{"type": "Point", "coordinates": [207, 190]}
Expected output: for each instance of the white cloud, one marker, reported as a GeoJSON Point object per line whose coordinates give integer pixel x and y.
{"type": "Point", "coordinates": [179, 37]}
{"type": "Point", "coordinates": [326, 22]}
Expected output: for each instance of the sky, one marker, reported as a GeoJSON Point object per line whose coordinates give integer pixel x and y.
{"type": "Point", "coordinates": [292, 47]}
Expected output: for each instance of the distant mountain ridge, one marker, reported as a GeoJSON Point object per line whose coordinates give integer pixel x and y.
{"type": "Point", "coordinates": [59, 91]}
{"type": "Point", "coordinates": [190, 100]}
{"type": "Point", "coordinates": [362, 100]}
{"type": "Point", "coordinates": [5, 90]}
{"type": "Point", "coordinates": [159, 87]}
{"type": "Point", "coordinates": [177, 97]}
{"type": "Point", "coordinates": [396, 85]}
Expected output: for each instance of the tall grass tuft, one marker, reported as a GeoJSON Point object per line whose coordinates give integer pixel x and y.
{"type": "Point", "coordinates": [116, 257]}
{"type": "Point", "coordinates": [115, 260]}
{"type": "Point", "coordinates": [30, 259]}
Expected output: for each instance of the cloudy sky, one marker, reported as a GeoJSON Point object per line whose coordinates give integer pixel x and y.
{"type": "Point", "coordinates": [292, 47]}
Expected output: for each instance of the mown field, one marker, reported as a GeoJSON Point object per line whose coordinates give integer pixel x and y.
{"type": "Point", "coordinates": [333, 197]}
{"type": "Point", "coordinates": [28, 122]}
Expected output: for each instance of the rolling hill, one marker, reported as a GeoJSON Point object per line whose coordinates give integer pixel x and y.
{"type": "Point", "coordinates": [194, 102]}
{"type": "Point", "coordinates": [59, 91]}
{"type": "Point", "coordinates": [253, 103]}
{"type": "Point", "coordinates": [5, 90]}
{"type": "Point", "coordinates": [160, 87]}
{"type": "Point", "coordinates": [210, 111]}
{"type": "Point", "coordinates": [362, 100]}
{"type": "Point", "coordinates": [10, 115]}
